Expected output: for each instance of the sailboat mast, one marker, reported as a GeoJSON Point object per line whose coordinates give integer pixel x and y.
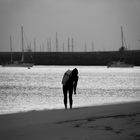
{"type": "Point", "coordinates": [122, 37]}
{"type": "Point", "coordinates": [92, 46]}
{"type": "Point", "coordinates": [11, 49]}
{"type": "Point", "coordinates": [72, 44]}
{"type": "Point", "coordinates": [34, 45]}
{"type": "Point", "coordinates": [56, 43]}
{"type": "Point", "coordinates": [68, 44]}
{"type": "Point", "coordinates": [22, 59]}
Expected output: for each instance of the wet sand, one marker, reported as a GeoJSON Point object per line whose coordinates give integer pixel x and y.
{"type": "Point", "coordinates": [107, 122]}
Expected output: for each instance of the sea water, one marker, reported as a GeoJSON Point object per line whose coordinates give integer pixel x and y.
{"type": "Point", "coordinates": [38, 88]}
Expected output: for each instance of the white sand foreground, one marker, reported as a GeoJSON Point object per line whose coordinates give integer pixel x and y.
{"type": "Point", "coordinates": [108, 122]}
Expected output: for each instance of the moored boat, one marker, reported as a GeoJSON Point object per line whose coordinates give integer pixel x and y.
{"type": "Point", "coordinates": [120, 63]}
{"type": "Point", "coordinates": [21, 63]}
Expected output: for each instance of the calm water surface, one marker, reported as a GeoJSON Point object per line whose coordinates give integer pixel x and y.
{"type": "Point", "coordinates": [38, 88]}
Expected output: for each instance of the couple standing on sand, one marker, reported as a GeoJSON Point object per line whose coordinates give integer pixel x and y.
{"type": "Point", "coordinates": [69, 83]}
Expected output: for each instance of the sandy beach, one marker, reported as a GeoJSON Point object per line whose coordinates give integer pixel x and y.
{"type": "Point", "coordinates": [108, 122]}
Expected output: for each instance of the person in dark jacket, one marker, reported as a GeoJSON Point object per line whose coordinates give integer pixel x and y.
{"type": "Point", "coordinates": [70, 87]}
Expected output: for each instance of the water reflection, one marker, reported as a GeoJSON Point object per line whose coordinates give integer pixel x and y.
{"type": "Point", "coordinates": [24, 89]}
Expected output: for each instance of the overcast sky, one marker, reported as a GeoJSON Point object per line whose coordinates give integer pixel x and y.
{"type": "Point", "coordinates": [86, 21]}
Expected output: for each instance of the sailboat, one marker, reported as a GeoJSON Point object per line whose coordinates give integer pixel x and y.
{"type": "Point", "coordinates": [18, 63]}
{"type": "Point", "coordinates": [120, 63]}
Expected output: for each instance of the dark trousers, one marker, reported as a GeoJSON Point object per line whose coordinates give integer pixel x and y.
{"type": "Point", "coordinates": [66, 90]}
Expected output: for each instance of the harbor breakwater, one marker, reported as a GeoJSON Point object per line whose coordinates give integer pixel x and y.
{"type": "Point", "coordinates": [73, 58]}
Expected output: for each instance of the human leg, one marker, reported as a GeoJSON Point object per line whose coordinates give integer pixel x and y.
{"type": "Point", "coordinates": [70, 97]}
{"type": "Point", "coordinates": [65, 96]}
